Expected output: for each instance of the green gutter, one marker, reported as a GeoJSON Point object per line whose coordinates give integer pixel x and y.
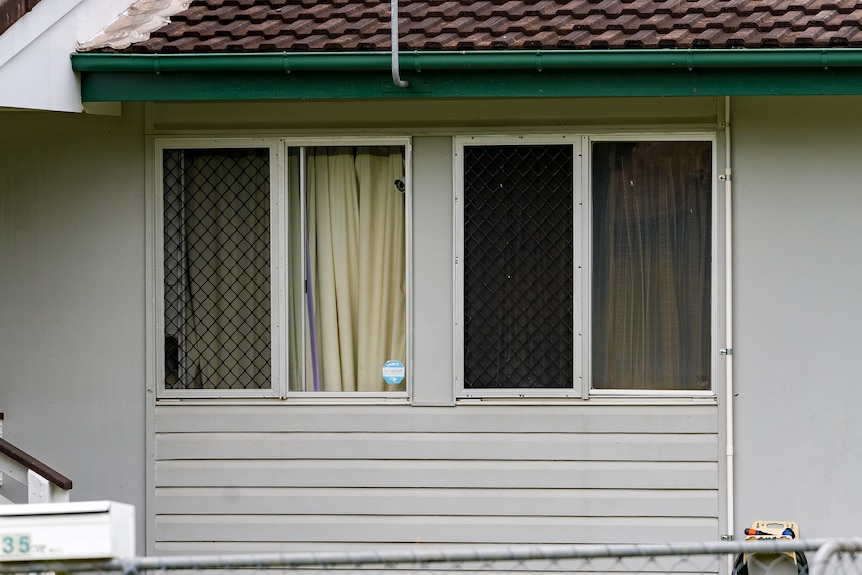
{"type": "Point", "coordinates": [469, 74]}
{"type": "Point", "coordinates": [484, 60]}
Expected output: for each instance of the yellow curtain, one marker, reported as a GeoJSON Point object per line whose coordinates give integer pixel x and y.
{"type": "Point", "coordinates": [356, 242]}
{"type": "Point", "coordinates": [382, 297]}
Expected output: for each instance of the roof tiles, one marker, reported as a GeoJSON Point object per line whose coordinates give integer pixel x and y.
{"type": "Point", "coordinates": [363, 25]}
{"type": "Point", "coordinates": [12, 10]}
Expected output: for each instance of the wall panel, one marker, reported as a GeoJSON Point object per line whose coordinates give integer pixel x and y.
{"type": "Point", "coordinates": [383, 475]}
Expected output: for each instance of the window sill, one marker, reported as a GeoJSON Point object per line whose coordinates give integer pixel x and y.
{"type": "Point", "coordinates": [706, 399]}
{"type": "Point", "coordinates": [305, 399]}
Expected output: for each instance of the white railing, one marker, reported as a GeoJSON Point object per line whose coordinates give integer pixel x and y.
{"type": "Point", "coordinates": [44, 484]}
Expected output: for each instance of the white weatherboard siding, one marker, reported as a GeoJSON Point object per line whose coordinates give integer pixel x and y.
{"type": "Point", "coordinates": [313, 477]}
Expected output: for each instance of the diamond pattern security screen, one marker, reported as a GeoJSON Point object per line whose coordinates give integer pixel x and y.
{"type": "Point", "coordinates": [518, 266]}
{"type": "Point", "coordinates": [217, 269]}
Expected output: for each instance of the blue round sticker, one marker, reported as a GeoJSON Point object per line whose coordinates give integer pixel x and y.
{"type": "Point", "coordinates": [393, 372]}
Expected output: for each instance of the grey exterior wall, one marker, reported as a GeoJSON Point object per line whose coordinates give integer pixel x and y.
{"type": "Point", "coordinates": [280, 476]}
{"type": "Point", "coordinates": [212, 476]}
{"type": "Point", "coordinates": [798, 280]}
{"type": "Point", "coordinates": [72, 298]}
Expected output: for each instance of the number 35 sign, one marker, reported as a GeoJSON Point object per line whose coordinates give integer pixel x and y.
{"type": "Point", "coordinates": [55, 531]}
{"type": "Point", "coordinates": [15, 545]}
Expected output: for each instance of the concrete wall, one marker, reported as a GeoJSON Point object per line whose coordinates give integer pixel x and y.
{"type": "Point", "coordinates": [798, 280]}
{"type": "Point", "coordinates": [72, 297]}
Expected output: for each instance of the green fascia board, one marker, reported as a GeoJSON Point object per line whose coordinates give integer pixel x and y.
{"type": "Point", "coordinates": [522, 74]}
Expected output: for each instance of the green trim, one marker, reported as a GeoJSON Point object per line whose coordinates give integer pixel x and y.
{"type": "Point", "coordinates": [492, 74]}
{"type": "Point", "coordinates": [488, 60]}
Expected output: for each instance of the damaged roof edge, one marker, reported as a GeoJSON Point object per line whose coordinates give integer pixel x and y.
{"type": "Point", "coordinates": [644, 72]}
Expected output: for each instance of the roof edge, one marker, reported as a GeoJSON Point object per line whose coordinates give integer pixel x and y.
{"type": "Point", "coordinates": [417, 61]}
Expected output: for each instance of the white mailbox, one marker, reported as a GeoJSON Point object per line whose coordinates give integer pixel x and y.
{"type": "Point", "coordinates": [67, 531]}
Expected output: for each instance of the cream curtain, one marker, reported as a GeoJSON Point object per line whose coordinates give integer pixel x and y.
{"type": "Point", "coordinates": [356, 315]}
{"type": "Point", "coordinates": [651, 265]}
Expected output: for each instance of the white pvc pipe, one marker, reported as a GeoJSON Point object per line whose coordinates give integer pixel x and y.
{"type": "Point", "coordinates": [728, 313]}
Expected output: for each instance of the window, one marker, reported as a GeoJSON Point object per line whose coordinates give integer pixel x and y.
{"type": "Point", "coordinates": [283, 268]}
{"type": "Point", "coordinates": [584, 260]}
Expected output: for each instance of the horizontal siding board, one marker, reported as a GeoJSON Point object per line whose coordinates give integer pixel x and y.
{"type": "Point", "coordinates": [287, 477]}
{"type": "Point", "coordinates": [440, 502]}
{"type": "Point", "coordinates": [438, 446]}
{"type": "Point", "coordinates": [477, 530]}
{"type": "Point", "coordinates": [472, 474]}
{"type": "Point", "coordinates": [282, 417]}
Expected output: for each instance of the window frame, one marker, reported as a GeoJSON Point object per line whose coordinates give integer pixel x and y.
{"type": "Point", "coordinates": [582, 262]}
{"type": "Point", "coordinates": [278, 147]}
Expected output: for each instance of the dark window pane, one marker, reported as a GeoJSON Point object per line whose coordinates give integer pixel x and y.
{"type": "Point", "coordinates": [518, 267]}
{"type": "Point", "coordinates": [651, 265]}
{"type": "Point", "coordinates": [217, 269]}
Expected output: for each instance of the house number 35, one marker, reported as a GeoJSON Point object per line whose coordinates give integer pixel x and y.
{"type": "Point", "coordinates": [15, 544]}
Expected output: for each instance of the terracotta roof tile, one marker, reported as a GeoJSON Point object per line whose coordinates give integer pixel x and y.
{"type": "Point", "coordinates": [363, 25]}
{"type": "Point", "coordinates": [13, 10]}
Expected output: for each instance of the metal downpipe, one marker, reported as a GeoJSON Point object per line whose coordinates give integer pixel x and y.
{"type": "Point", "coordinates": [396, 73]}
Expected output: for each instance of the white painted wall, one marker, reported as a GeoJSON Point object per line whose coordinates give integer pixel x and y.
{"type": "Point", "coordinates": [798, 306]}
{"type": "Point", "coordinates": [72, 298]}
{"type": "Point", "coordinates": [35, 69]}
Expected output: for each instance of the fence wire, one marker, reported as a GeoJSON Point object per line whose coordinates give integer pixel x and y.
{"type": "Point", "coordinates": [764, 557]}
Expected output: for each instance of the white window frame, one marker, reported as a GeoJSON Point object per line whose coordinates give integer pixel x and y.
{"type": "Point", "coordinates": [582, 220]}
{"type": "Point", "coordinates": [278, 152]}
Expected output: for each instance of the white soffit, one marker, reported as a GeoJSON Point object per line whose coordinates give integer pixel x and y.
{"type": "Point", "coordinates": [43, 39]}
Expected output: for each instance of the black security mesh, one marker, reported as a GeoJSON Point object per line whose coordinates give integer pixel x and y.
{"type": "Point", "coordinates": [518, 266]}
{"type": "Point", "coordinates": [216, 269]}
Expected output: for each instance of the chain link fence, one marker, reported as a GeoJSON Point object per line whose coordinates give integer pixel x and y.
{"type": "Point", "coordinates": [838, 557]}
{"type": "Point", "coordinates": [764, 557]}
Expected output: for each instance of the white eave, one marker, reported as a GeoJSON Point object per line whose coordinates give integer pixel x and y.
{"type": "Point", "coordinates": [35, 68]}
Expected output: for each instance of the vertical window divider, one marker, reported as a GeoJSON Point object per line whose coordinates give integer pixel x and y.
{"type": "Point", "coordinates": [281, 307]}
{"type": "Point", "coordinates": [583, 259]}
{"type": "Point", "coordinates": [408, 264]}
{"type": "Point", "coordinates": [458, 263]}
{"type": "Point", "coordinates": [158, 243]}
